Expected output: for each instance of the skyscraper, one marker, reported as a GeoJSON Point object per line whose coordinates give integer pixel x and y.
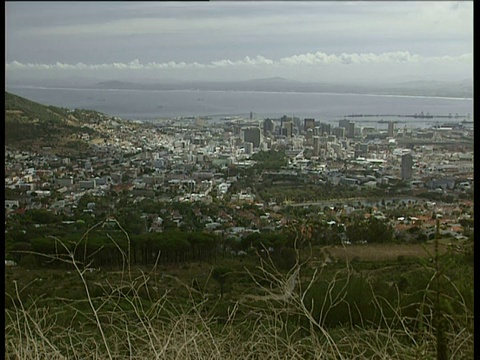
{"type": "Point", "coordinates": [349, 127]}
{"type": "Point", "coordinates": [287, 129]}
{"type": "Point", "coordinates": [268, 126]}
{"type": "Point", "coordinates": [316, 145]}
{"type": "Point", "coordinates": [351, 130]}
{"type": "Point", "coordinates": [343, 123]}
{"type": "Point", "coordinates": [309, 137]}
{"type": "Point", "coordinates": [406, 168]}
{"type": "Point", "coordinates": [248, 148]}
{"type": "Point", "coordinates": [324, 128]}
{"type": "Point", "coordinates": [339, 132]}
{"type": "Point", "coordinates": [308, 124]}
{"type": "Point", "coordinates": [391, 128]}
{"type": "Point", "coordinates": [252, 135]}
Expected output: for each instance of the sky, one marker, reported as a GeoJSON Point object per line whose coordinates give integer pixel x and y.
{"type": "Point", "coordinates": [315, 41]}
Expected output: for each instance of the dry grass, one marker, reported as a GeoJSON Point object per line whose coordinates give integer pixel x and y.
{"type": "Point", "coordinates": [381, 252]}
{"type": "Point", "coordinates": [120, 324]}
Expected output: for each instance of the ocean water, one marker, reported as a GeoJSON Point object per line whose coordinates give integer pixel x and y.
{"type": "Point", "coordinates": [326, 107]}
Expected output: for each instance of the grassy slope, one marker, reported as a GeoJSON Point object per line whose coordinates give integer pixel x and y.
{"type": "Point", "coordinates": [31, 109]}
{"type": "Point", "coordinates": [161, 313]}
{"type": "Point", "coordinates": [30, 125]}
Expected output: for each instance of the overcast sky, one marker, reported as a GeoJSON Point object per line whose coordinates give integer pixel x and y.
{"type": "Point", "coordinates": [344, 41]}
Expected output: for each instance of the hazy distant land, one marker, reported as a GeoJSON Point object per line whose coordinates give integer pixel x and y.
{"type": "Point", "coordinates": [463, 89]}
{"type": "Point", "coordinates": [457, 89]}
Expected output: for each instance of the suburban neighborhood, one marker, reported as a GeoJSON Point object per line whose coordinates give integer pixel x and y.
{"type": "Point", "coordinates": [399, 175]}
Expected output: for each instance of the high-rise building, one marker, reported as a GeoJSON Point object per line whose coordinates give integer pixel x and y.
{"type": "Point", "coordinates": [343, 123]}
{"type": "Point", "coordinates": [287, 129]}
{"type": "Point", "coordinates": [391, 129]}
{"type": "Point", "coordinates": [309, 137]}
{"type": "Point", "coordinates": [268, 126]}
{"type": "Point", "coordinates": [248, 148]}
{"type": "Point", "coordinates": [287, 125]}
{"type": "Point", "coordinates": [316, 145]}
{"type": "Point", "coordinates": [406, 167]}
{"type": "Point", "coordinates": [252, 134]}
{"type": "Point", "coordinates": [325, 129]}
{"type": "Point", "coordinates": [349, 127]}
{"type": "Point", "coordinates": [339, 132]}
{"type": "Point", "coordinates": [236, 129]}
{"type": "Point", "coordinates": [351, 130]}
{"type": "Point", "coordinates": [308, 124]}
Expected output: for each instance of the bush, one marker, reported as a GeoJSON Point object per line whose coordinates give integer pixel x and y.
{"type": "Point", "coordinates": [29, 261]}
{"type": "Point", "coordinates": [301, 313]}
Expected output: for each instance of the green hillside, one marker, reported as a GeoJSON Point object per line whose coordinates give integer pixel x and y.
{"type": "Point", "coordinates": [31, 110]}
{"type": "Point", "coordinates": [32, 126]}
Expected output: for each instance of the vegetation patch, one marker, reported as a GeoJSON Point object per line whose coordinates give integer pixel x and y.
{"type": "Point", "coordinates": [250, 307]}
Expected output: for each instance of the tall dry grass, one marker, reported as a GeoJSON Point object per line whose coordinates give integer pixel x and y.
{"type": "Point", "coordinates": [118, 323]}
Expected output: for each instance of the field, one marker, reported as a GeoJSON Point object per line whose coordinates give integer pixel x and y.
{"type": "Point", "coordinates": [368, 301]}
{"type": "Point", "coordinates": [384, 252]}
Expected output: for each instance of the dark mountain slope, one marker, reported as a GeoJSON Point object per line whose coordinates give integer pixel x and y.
{"type": "Point", "coordinates": [32, 126]}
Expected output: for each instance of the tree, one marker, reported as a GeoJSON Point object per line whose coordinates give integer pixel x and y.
{"type": "Point", "coordinates": [372, 230]}
{"type": "Point", "coordinates": [379, 231]}
{"type": "Point", "coordinates": [43, 216]}
{"type": "Point", "coordinates": [356, 231]}
{"type": "Point", "coordinates": [220, 274]}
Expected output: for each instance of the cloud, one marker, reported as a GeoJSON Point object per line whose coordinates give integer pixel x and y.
{"type": "Point", "coordinates": [354, 58]}
{"type": "Point", "coordinates": [308, 59]}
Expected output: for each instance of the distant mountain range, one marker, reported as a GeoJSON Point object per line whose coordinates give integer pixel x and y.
{"type": "Point", "coordinates": [463, 89]}
{"type": "Point", "coordinates": [457, 89]}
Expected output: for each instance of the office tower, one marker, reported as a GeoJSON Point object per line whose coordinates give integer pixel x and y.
{"type": "Point", "coordinates": [283, 119]}
{"type": "Point", "coordinates": [316, 145]}
{"type": "Point", "coordinates": [343, 123]}
{"type": "Point", "coordinates": [286, 125]}
{"type": "Point", "coordinates": [309, 137]}
{"type": "Point", "coordinates": [287, 129]}
{"type": "Point", "coordinates": [351, 130]}
{"type": "Point", "coordinates": [248, 148]}
{"type": "Point", "coordinates": [339, 132]}
{"type": "Point", "coordinates": [406, 168]}
{"type": "Point", "coordinates": [349, 127]}
{"type": "Point", "coordinates": [268, 126]}
{"type": "Point", "coordinates": [325, 129]}
{"type": "Point", "coordinates": [252, 135]}
{"type": "Point", "coordinates": [236, 129]}
{"type": "Point", "coordinates": [391, 129]}
{"type": "Point", "coordinates": [308, 124]}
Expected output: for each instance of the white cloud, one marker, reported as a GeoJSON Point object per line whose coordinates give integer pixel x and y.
{"type": "Point", "coordinates": [317, 66]}
{"type": "Point", "coordinates": [309, 59]}
{"type": "Point", "coordinates": [354, 58]}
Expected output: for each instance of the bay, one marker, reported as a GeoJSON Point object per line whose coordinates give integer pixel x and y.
{"type": "Point", "coordinates": [326, 107]}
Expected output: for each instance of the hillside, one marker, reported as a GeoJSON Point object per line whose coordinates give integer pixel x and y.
{"type": "Point", "coordinates": [33, 126]}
